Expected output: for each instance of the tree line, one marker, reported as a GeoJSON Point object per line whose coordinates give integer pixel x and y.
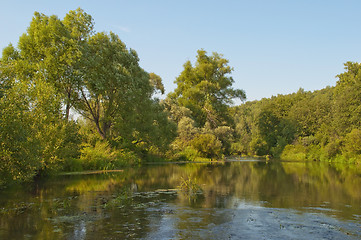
{"type": "Point", "coordinates": [319, 125]}
{"type": "Point", "coordinates": [62, 67]}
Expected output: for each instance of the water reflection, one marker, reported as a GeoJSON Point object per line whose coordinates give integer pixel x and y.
{"type": "Point", "coordinates": [238, 199]}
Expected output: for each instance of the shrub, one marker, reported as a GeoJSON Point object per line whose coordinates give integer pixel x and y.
{"type": "Point", "coordinates": [352, 143]}
{"type": "Point", "coordinates": [294, 152]}
{"type": "Point", "coordinates": [258, 147]}
{"type": "Point", "coordinates": [97, 157]}
{"type": "Point", "coordinates": [123, 157]}
{"type": "Point", "coordinates": [276, 151]}
{"type": "Point", "coordinates": [20, 150]}
{"type": "Point", "coordinates": [189, 153]}
{"type": "Point", "coordinates": [332, 149]}
{"type": "Point", "coordinates": [72, 165]}
{"type": "Point", "coordinates": [314, 152]}
{"type": "Point", "coordinates": [207, 145]}
{"type": "Point", "coordinates": [103, 157]}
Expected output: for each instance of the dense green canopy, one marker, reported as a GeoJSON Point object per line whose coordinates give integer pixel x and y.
{"type": "Point", "coordinates": [61, 67]}
{"type": "Point", "coordinates": [206, 89]}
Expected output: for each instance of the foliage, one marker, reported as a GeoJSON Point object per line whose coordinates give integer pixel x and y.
{"type": "Point", "coordinates": [207, 145]}
{"type": "Point", "coordinates": [189, 186]}
{"type": "Point", "coordinates": [352, 142]}
{"type": "Point", "coordinates": [319, 125]}
{"type": "Point", "coordinates": [206, 89]}
{"type": "Point", "coordinates": [62, 67]}
{"type": "Point", "coordinates": [52, 49]}
{"type": "Point", "coordinates": [113, 82]}
{"type": "Point", "coordinates": [225, 134]}
{"type": "Point", "coordinates": [200, 107]}
{"type": "Point", "coordinates": [189, 153]}
{"type": "Point", "coordinates": [294, 152]}
{"type": "Point", "coordinates": [19, 150]}
{"type": "Point", "coordinates": [102, 156]}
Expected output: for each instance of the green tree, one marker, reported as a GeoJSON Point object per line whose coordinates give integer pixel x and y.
{"type": "Point", "coordinates": [113, 84]}
{"type": "Point", "coordinates": [206, 89]}
{"type": "Point", "coordinates": [62, 65]}
{"type": "Point", "coordinates": [207, 145]}
{"type": "Point", "coordinates": [116, 95]}
{"type": "Point", "coordinates": [352, 143]}
{"type": "Point", "coordinates": [7, 68]}
{"type": "Point", "coordinates": [347, 99]}
{"type": "Point", "coordinates": [52, 49]}
{"type": "Point", "coordinates": [20, 150]}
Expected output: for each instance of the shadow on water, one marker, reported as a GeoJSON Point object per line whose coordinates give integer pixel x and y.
{"type": "Point", "coordinates": [250, 199]}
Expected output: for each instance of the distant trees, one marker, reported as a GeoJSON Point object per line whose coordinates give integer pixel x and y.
{"type": "Point", "coordinates": [315, 125]}
{"type": "Point", "coordinates": [347, 98]}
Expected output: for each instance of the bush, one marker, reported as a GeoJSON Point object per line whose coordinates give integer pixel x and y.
{"type": "Point", "coordinates": [189, 153]}
{"type": "Point", "coordinates": [97, 157]}
{"type": "Point", "coordinates": [73, 165]}
{"type": "Point", "coordinates": [207, 145]}
{"type": "Point", "coordinates": [258, 147]}
{"type": "Point", "coordinates": [124, 158]}
{"type": "Point", "coordinates": [276, 151]}
{"type": "Point", "coordinates": [225, 135]}
{"type": "Point", "coordinates": [294, 152]}
{"type": "Point", "coordinates": [69, 147]}
{"type": "Point", "coordinates": [314, 152]}
{"type": "Point", "coordinates": [352, 143]}
{"type": "Point", "coordinates": [332, 149]}
{"type": "Point", "coordinates": [20, 150]}
{"type": "Point", "coordinates": [103, 157]}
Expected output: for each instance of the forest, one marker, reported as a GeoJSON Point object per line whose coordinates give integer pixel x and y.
{"type": "Point", "coordinates": [323, 125]}
{"type": "Point", "coordinates": [72, 99]}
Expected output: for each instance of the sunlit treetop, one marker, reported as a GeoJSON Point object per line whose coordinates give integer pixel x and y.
{"type": "Point", "coordinates": [206, 88]}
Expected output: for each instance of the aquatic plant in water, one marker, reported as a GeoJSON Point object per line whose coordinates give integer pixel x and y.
{"type": "Point", "coordinates": [190, 186]}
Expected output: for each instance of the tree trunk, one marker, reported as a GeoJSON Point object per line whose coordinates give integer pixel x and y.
{"type": "Point", "coordinates": [102, 133]}
{"type": "Point", "coordinates": [68, 104]}
{"type": "Point", "coordinates": [67, 111]}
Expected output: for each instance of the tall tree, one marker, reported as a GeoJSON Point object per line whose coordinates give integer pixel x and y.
{"type": "Point", "coordinates": [206, 89]}
{"type": "Point", "coordinates": [51, 49]}
{"type": "Point", "coordinates": [347, 98]}
{"type": "Point", "coordinates": [113, 82]}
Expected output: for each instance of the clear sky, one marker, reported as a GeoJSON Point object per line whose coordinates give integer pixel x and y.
{"type": "Point", "coordinates": [275, 46]}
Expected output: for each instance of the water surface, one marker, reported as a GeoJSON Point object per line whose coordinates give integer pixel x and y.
{"type": "Point", "coordinates": [235, 200]}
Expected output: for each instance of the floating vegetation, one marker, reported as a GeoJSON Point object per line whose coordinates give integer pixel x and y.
{"type": "Point", "coordinates": [17, 208]}
{"type": "Point", "coordinates": [124, 197]}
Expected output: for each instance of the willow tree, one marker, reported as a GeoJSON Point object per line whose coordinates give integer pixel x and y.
{"type": "Point", "coordinates": [51, 49]}
{"type": "Point", "coordinates": [63, 64]}
{"type": "Point", "coordinates": [200, 105]}
{"type": "Point", "coordinates": [112, 82]}
{"type": "Point", "coordinates": [206, 89]}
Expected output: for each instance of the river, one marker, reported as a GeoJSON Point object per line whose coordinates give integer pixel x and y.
{"type": "Point", "coordinates": [238, 199]}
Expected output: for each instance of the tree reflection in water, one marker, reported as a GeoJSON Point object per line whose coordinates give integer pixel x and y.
{"type": "Point", "coordinates": [257, 199]}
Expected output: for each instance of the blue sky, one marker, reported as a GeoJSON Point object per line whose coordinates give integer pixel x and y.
{"type": "Point", "coordinates": [275, 46]}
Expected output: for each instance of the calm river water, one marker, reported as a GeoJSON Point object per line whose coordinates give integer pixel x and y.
{"type": "Point", "coordinates": [245, 199]}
